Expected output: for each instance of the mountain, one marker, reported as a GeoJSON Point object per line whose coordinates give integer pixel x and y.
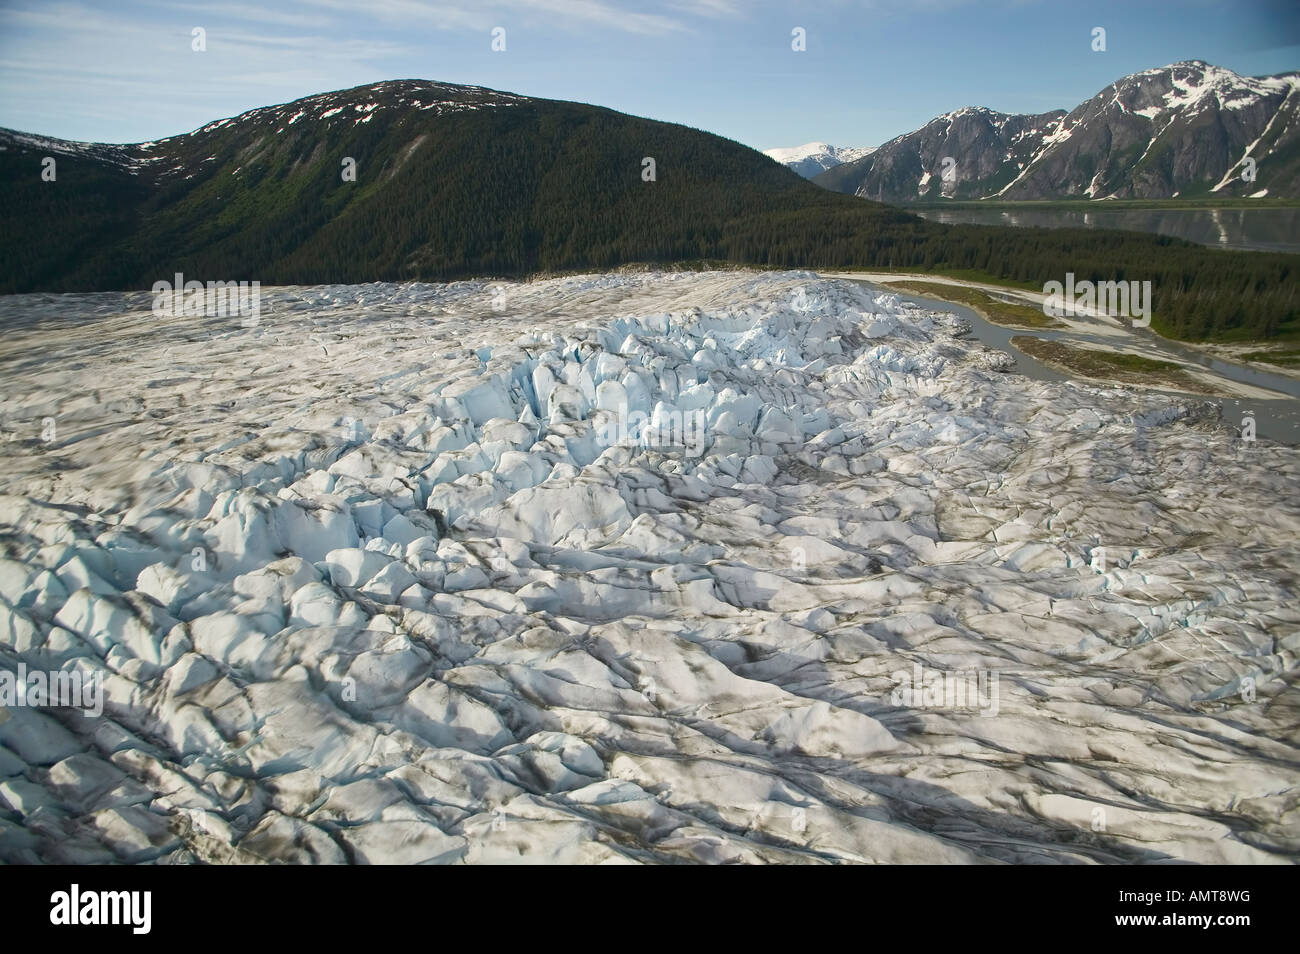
{"type": "Point", "coordinates": [813, 158]}
{"type": "Point", "coordinates": [459, 182]}
{"type": "Point", "coordinates": [987, 148]}
{"type": "Point", "coordinates": [451, 181]}
{"type": "Point", "coordinates": [1181, 130]}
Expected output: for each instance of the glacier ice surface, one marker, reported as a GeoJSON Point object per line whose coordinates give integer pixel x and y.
{"type": "Point", "coordinates": [411, 573]}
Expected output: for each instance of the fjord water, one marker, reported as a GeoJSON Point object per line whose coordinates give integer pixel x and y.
{"type": "Point", "coordinates": [1262, 230]}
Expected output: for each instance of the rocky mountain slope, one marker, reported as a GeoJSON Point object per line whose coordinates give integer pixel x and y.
{"type": "Point", "coordinates": [1181, 130]}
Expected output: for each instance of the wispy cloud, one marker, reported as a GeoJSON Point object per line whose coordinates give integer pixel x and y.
{"type": "Point", "coordinates": [628, 17]}
{"type": "Point", "coordinates": [708, 8]}
{"type": "Point", "coordinates": [94, 66]}
{"type": "Point", "coordinates": [121, 69]}
{"type": "Point", "coordinates": [139, 51]}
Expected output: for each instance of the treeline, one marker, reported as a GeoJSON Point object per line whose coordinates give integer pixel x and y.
{"type": "Point", "coordinates": [544, 186]}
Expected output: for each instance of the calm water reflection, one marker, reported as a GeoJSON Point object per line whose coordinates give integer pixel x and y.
{"type": "Point", "coordinates": [1269, 230]}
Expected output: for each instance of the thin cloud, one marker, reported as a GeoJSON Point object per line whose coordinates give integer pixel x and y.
{"type": "Point", "coordinates": [718, 9]}
{"type": "Point", "coordinates": [485, 14]}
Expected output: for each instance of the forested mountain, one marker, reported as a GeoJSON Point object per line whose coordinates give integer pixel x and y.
{"type": "Point", "coordinates": [454, 181]}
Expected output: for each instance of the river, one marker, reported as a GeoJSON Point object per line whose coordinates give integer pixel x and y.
{"type": "Point", "coordinates": [1276, 419]}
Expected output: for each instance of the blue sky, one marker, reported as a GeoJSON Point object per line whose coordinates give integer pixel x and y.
{"type": "Point", "coordinates": [124, 70]}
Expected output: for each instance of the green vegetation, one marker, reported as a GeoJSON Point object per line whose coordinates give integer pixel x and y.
{"type": "Point", "coordinates": [1119, 367]}
{"type": "Point", "coordinates": [1095, 205]}
{"type": "Point", "coordinates": [991, 309]}
{"type": "Point", "coordinates": [544, 187]}
{"type": "Point", "coordinates": [1287, 358]}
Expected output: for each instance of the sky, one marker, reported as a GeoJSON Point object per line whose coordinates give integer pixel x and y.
{"type": "Point", "coordinates": [127, 70]}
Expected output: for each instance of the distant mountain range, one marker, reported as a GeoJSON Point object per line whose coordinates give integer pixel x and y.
{"type": "Point", "coordinates": [417, 180]}
{"type": "Point", "coordinates": [813, 158]}
{"type": "Point", "coordinates": [1184, 130]}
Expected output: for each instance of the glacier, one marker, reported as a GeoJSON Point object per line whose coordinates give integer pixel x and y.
{"type": "Point", "coordinates": [412, 573]}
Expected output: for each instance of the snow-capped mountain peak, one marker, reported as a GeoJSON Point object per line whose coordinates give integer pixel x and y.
{"type": "Point", "coordinates": [1182, 129]}
{"type": "Point", "coordinates": [813, 158]}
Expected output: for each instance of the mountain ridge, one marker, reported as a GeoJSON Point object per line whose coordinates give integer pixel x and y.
{"type": "Point", "coordinates": [264, 190]}
{"type": "Point", "coordinates": [1181, 130]}
{"type": "Point", "coordinates": [424, 181]}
